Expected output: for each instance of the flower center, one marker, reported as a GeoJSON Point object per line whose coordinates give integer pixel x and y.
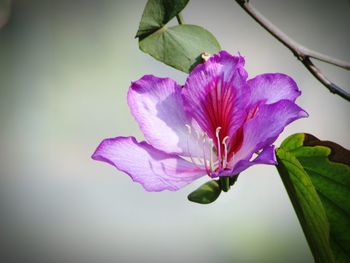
{"type": "Point", "coordinates": [202, 151]}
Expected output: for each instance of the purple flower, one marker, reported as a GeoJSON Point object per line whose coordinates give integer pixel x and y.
{"type": "Point", "coordinates": [218, 124]}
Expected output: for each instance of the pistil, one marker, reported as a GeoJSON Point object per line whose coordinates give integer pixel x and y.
{"type": "Point", "coordinates": [218, 145]}
{"type": "Point", "coordinates": [224, 142]}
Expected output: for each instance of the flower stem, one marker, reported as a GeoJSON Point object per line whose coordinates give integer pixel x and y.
{"type": "Point", "coordinates": [225, 183]}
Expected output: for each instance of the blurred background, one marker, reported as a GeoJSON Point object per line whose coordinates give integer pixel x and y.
{"type": "Point", "coordinates": [65, 68]}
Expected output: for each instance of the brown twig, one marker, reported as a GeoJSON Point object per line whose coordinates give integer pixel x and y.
{"type": "Point", "coordinates": [302, 53]}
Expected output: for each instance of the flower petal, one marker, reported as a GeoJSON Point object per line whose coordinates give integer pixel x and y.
{"type": "Point", "coordinates": [263, 129]}
{"type": "Point", "coordinates": [272, 87]}
{"type": "Point", "coordinates": [154, 169]}
{"type": "Point", "coordinates": [267, 156]}
{"type": "Point", "coordinates": [214, 94]}
{"type": "Point", "coordinates": [157, 106]}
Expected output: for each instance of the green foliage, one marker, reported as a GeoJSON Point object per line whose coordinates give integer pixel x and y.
{"type": "Point", "coordinates": [210, 191]}
{"type": "Point", "coordinates": [158, 13]}
{"type": "Point", "coordinates": [206, 193]}
{"type": "Point", "coordinates": [179, 46]}
{"type": "Point", "coordinates": [316, 175]}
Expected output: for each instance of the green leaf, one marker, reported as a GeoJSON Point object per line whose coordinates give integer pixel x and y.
{"type": "Point", "coordinates": [180, 46]}
{"type": "Point", "coordinates": [158, 13]}
{"type": "Point", "coordinates": [206, 193]}
{"type": "Point", "coordinates": [316, 175]}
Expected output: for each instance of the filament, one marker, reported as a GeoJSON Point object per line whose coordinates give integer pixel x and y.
{"type": "Point", "coordinates": [211, 155]}
{"type": "Point", "coordinates": [188, 144]}
{"type": "Point", "coordinates": [198, 147]}
{"type": "Point", "coordinates": [204, 155]}
{"type": "Point", "coordinates": [198, 153]}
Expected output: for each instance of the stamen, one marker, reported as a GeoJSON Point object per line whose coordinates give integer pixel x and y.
{"type": "Point", "coordinates": [197, 149]}
{"type": "Point", "coordinates": [188, 144]}
{"type": "Point", "coordinates": [219, 146]}
{"type": "Point", "coordinates": [204, 155]}
{"type": "Point", "coordinates": [211, 145]}
{"type": "Point", "coordinates": [224, 142]}
{"type": "Point", "coordinates": [198, 159]}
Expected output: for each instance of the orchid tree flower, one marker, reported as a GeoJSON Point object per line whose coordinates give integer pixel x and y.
{"type": "Point", "coordinates": [218, 124]}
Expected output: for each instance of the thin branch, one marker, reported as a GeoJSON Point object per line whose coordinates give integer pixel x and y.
{"type": "Point", "coordinates": [327, 59]}
{"type": "Point", "coordinates": [302, 53]}
{"type": "Point", "coordinates": [315, 71]}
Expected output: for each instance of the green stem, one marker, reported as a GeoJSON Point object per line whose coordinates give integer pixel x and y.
{"type": "Point", "coordinates": [225, 183]}
{"type": "Point", "coordinates": [180, 19]}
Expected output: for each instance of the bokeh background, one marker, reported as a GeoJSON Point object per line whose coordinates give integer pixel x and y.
{"type": "Point", "coordinates": [65, 67]}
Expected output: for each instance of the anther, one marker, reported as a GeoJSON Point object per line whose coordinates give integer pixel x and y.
{"type": "Point", "coordinates": [198, 134]}
{"type": "Point", "coordinates": [189, 128]}
{"type": "Point", "coordinates": [217, 131]}
{"type": "Point", "coordinates": [204, 137]}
